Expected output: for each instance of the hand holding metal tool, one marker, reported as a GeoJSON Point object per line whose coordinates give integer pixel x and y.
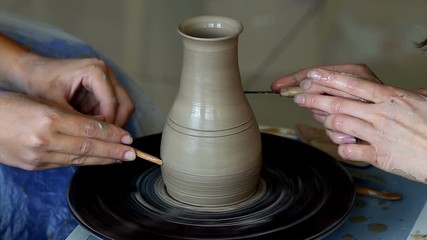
{"type": "Point", "coordinates": [291, 92]}
{"type": "Point", "coordinates": [284, 92]}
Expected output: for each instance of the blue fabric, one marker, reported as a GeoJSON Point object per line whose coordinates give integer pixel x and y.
{"type": "Point", "coordinates": [33, 205]}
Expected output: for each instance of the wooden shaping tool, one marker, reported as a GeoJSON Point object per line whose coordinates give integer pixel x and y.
{"type": "Point", "coordinates": [148, 157]}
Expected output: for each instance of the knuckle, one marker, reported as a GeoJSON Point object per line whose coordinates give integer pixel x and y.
{"type": "Point", "coordinates": [351, 84]}
{"type": "Point", "coordinates": [78, 160]}
{"type": "Point", "coordinates": [95, 62]}
{"type": "Point", "coordinates": [38, 141]}
{"type": "Point", "coordinates": [32, 160]}
{"type": "Point", "coordinates": [91, 129]}
{"type": "Point", "coordinates": [100, 63]}
{"type": "Point", "coordinates": [96, 67]}
{"type": "Point", "coordinates": [334, 122]}
{"type": "Point", "coordinates": [336, 106]}
{"type": "Point", "coordinates": [310, 100]}
{"type": "Point", "coordinates": [85, 148]}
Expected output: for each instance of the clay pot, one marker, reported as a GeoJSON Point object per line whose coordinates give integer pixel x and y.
{"type": "Point", "coordinates": [211, 144]}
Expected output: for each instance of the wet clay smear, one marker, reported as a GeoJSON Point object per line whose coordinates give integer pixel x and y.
{"type": "Point", "coordinates": [347, 236]}
{"type": "Point", "coordinates": [358, 219]}
{"type": "Point", "coordinates": [377, 227]}
{"type": "Point", "coordinates": [418, 236]}
{"type": "Point", "coordinates": [360, 203]}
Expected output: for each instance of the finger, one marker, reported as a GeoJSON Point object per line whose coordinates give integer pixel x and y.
{"type": "Point", "coordinates": [309, 86]}
{"type": "Point", "coordinates": [421, 91]}
{"type": "Point", "coordinates": [88, 151]}
{"type": "Point", "coordinates": [90, 128]}
{"type": "Point", "coordinates": [335, 105]}
{"type": "Point", "coordinates": [319, 118]}
{"type": "Point", "coordinates": [350, 126]}
{"type": "Point", "coordinates": [89, 105]}
{"type": "Point", "coordinates": [125, 107]}
{"type": "Point", "coordinates": [319, 115]}
{"type": "Point", "coordinates": [340, 138]}
{"type": "Point", "coordinates": [357, 70]}
{"type": "Point", "coordinates": [290, 80]}
{"type": "Point", "coordinates": [319, 112]}
{"type": "Point", "coordinates": [54, 160]}
{"type": "Point", "coordinates": [358, 152]}
{"type": "Point", "coordinates": [293, 79]}
{"type": "Point", "coordinates": [97, 82]}
{"type": "Point", "coordinates": [350, 84]}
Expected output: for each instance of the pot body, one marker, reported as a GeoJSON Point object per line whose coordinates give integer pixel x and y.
{"type": "Point", "coordinates": [211, 144]}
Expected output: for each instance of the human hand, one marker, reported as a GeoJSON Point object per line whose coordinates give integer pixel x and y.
{"type": "Point", "coordinates": [87, 85]}
{"type": "Point", "coordinates": [299, 78]}
{"type": "Point", "coordinates": [38, 134]}
{"type": "Point", "coordinates": [392, 127]}
{"type": "Point", "coordinates": [303, 78]}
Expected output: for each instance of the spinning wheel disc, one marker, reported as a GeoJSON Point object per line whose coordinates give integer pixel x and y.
{"type": "Point", "coordinates": [305, 196]}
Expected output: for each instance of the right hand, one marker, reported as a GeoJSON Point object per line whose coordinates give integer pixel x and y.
{"type": "Point", "coordinates": [392, 125]}
{"type": "Point", "coordinates": [300, 78]}
{"type": "Point", "coordinates": [38, 134]}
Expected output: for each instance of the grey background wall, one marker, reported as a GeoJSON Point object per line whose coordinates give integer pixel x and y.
{"type": "Point", "coordinates": [279, 37]}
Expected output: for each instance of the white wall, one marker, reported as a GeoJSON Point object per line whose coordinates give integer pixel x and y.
{"type": "Point", "coordinates": [140, 36]}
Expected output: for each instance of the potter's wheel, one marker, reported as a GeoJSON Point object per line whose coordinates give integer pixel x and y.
{"type": "Point", "coordinates": [304, 194]}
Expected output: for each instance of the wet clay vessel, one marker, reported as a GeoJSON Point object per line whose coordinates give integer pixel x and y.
{"type": "Point", "coordinates": [211, 145]}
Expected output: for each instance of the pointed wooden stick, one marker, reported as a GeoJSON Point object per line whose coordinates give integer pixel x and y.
{"type": "Point", "coordinates": [148, 157]}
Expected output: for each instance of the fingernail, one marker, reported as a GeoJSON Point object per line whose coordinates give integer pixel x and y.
{"type": "Point", "coordinates": [348, 140]}
{"type": "Point", "coordinates": [299, 99]}
{"type": "Point", "coordinates": [306, 84]}
{"type": "Point", "coordinates": [127, 139]}
{"type": "Point", "coordinates": [314, 74]}
{"type": "Point", "coordinates": [130, 155]}
{"type": "Point", "coordinates": [99, 118]}
{"type": "Point", "coordinates": [344, 138]}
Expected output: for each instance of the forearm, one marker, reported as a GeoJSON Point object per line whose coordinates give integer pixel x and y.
{"type": "Point", "coordinates": [14, 60]}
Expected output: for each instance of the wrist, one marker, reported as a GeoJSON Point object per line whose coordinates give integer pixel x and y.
{"type": "Point", "coordinates": [15, 65]}
{"type": "Point", "coordinates": [25, 71]}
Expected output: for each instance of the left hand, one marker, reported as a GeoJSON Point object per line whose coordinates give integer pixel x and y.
{"type": "Point", "coordinates": [392, 128]}
{"type": "Point", "coordinates": [86, 85]}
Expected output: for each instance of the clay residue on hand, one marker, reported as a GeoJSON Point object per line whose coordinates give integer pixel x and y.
{"type": "Point", "coordinates": [404, 174]}
{"type": "Point", "coordinates": [413, 96]}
